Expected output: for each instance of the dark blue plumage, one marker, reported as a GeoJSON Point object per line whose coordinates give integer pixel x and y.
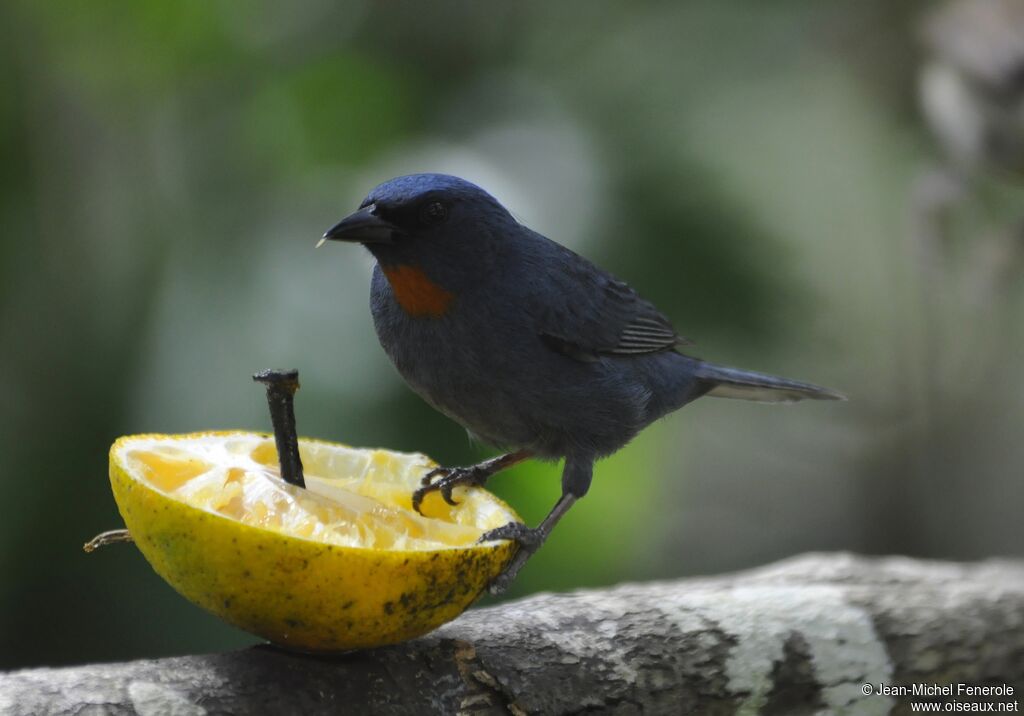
{"type": "Point", "coordinates": [528, 345]}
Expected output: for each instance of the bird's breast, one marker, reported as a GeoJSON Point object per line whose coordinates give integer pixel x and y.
{"type": "Point", "coordinates": [448, 355]}
{"type": "Point", "coordinates": [415, 322]}
{"type": "Point", "coordinates": [416, 293]}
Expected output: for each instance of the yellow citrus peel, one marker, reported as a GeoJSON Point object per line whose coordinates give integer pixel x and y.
{"type": "Point", "coordinates": [345, 563]}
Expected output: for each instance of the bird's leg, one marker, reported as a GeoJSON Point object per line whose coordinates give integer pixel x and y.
{"type": "Point", "coordinates": [448, 478]}
{"type": "Point", "coordinates": [529, 538]}
{"type": "Point", "coordinates": [575, 483]}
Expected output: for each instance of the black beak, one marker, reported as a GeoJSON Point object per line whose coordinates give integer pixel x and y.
{"type": "Point", "coordinates": [363, 227]}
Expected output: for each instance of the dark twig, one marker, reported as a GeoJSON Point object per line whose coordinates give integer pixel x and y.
{"type": "Point", "coordinates": [281, 387]}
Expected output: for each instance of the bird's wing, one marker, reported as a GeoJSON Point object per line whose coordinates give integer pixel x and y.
{"type": "Point", "coordinates": [586, 313]}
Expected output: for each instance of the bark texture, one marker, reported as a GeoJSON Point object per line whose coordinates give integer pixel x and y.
{"type": "Point", "coordinates": [798, 637]}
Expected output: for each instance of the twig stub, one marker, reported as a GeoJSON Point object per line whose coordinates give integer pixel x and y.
{"type": "Point", "coordinates": [281, 386]}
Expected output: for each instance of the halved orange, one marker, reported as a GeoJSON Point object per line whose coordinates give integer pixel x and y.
{"type": "Point", "coordinates": [345, 563]}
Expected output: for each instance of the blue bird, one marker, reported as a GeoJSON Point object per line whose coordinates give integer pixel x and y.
{"type": "Point", "coordinates": [526, 344]}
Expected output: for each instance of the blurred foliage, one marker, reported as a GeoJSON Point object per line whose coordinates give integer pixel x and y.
{"type": "Point", "coordinates": [167, 167]}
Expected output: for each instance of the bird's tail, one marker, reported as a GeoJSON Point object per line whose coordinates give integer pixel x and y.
{"type": "Point", "coordinates": [748, 385]}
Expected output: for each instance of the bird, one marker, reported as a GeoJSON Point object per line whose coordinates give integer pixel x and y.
{"type": "Point", "coordinates": [529, 346]}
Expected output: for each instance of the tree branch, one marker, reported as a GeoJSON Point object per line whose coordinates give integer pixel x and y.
{"type": "Point", "coordinates": [800, 636]}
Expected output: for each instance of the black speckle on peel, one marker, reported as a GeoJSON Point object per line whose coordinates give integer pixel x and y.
{"type": "Point", "coordinates": [294, 623]}
{"type": "Point", "coordinates": [348, 604]}
{"type": "Point", "coordinates": [389, 607]}
{"type": "Point", "coordinates": [227, 603]}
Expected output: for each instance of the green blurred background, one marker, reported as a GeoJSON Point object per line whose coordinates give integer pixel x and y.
{"type": "Point", "coordinates": [168, 167]}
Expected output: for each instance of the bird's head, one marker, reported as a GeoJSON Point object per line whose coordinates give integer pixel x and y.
{"type": "Point", "coordinates": [425, 219]}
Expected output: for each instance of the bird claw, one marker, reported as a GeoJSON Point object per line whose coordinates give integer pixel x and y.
{"type": "Point", "coordinates": [450, 478]}
{"type": "Point", "coordinates": [528, 538]}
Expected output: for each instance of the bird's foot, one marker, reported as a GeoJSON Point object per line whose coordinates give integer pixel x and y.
{"type": "Point", "coordinates": [447, 479]}
{"type": "Point", "coordinates": [529, 540]}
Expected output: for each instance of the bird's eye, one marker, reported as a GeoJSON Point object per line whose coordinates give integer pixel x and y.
{"type": "Point", "coordinates": [433, 212]}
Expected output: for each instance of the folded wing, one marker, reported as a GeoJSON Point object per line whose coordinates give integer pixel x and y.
{"type": "Point", "coordinates": [591, 313]}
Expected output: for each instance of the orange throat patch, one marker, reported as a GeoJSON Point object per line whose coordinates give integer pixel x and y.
{"type": "Point", "coordinates": [416, 293]}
